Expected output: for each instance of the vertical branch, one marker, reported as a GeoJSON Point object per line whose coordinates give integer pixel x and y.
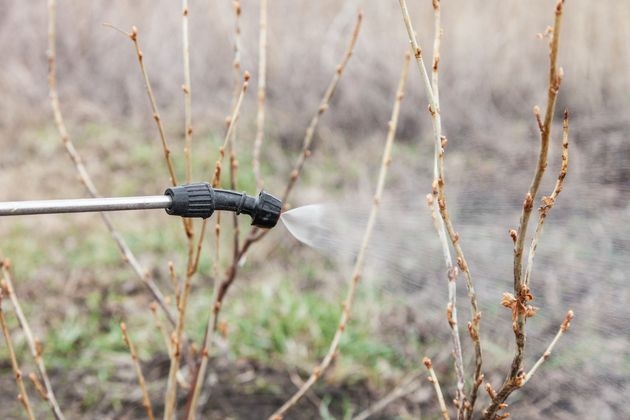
{"type": "Point", "coordinates": [146, 401]}
{"type": "Point", "coordinates": [323, 106]}
{"type": "Point", "coordinates": [444, 224]}
{"type": "Point", "coordinates": [161, 327]}
{"type": "Point", "coordinates": [519, 302]}
{"type": "Point", "coordinates": [262, 85]}
{"type": "Point", "coordinates": [133, 36]}
{"type": "Point", "coordinates": [156, 113]}
{"type": "Point", "coordinates": [186, 88]}
{"type": "Point", "coordinates": [23, 395]}
{"type": "Point", "coordinates": [436, 385]}
{"type": "Point", "coordinates": [555, 78]}
{"type": "Point", "coordinates": [236, 61]}
{"type": "Point", "coordinates": [84, 177]}
{"type": "Point", "coordinates": [199, 376]}
{"type": "Point", "coordinates": [548, 202]}
{"type": "Point", "coordinates": [33, 343]}
{"type": "Point", "coordinates": [358, 267]}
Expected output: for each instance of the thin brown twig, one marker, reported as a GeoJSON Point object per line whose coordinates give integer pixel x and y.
{"type": "Point", "coordinates": [236, 62]}
{"type": "Point", "coordinates": [323, 106]}
{"type": "Point", "coordinates": [548, 202]}
{"type": "Point", "coordinates": [436, 385]}
{"type": "Point", "coordinates": [199, 376]}
{"type": "Point", "coordinates": [256, 234]}
{"type": "Point", "coordinates": [564, 327]}
{"type": "Point", "coordinates": [235, 218]}
{"type": "Point", "coordinates": [133, 36]}
{"type": "Point", "coordinates": [262, 86]}
{"type": "Point", "coordinates": [406, 387]}
{"type": "Point", "coordinates": [38, 386]}
{"type": "Point", "coordinates": [239, 92]}
{"type": "Point", "coordinates": [128, 256]}
{"type": "Point", "coordinates": [519, 302]}
{"type": "Point", "coordinates": [174, 282]}
{"type": "Point", "coordinates": [23, 395]}
{"type": "Point", "coordinates": [231, 125]}
{"type": "Point", "coordinates": [33, 343]}
{"type": "Point", "coordinates": [160, 326]}
{"type": "Point", "coordinates": [465, 404]}
{"type": "Point", "coordinates": [358, 267]}
{"type": "Point", "coordinates": [443, 221]}
{"type": "Point", "coordinates": [187, 89]}
{"type": "Point", "coordinates": [451, 308]}
{"type": "Point", "coordinates": [146, 401]}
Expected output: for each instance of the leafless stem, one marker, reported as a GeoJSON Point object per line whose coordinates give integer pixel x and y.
{"type": "Point", "coordinates": [358, 267]}
{"type": "Point", "coordinates": [563, 328]}
{"type": "Point", "coordinates": [436, 385]}
{"type": "Point", "coordinates": [451, 308]}
{"type": "Point", "coordinates": [323, 106]}
{"type": "Point", "coordinates": [231, 124]}
{"type": "Point", "coordinates": [186, 88]}
{"type": "Point", "coordinates": [23, 395]}
{"type": "Point", "coordinates": [519, 302]}
{"type": "Point", "coordinates": [160, 326]}
{"type": "Point", "coordinates": [548, 202]}
{"type": "Point", "coordinates": [236, 62]}
{"type": "Point", "coordinates": [406, 387]}
{"type": "Point", "coordinates": [262, 85]}
{"type": "Point", "coordinates": [146, 401]}
{"type": "Point", "coordinates": [38, 386]}
{"type": "Point", "coordinates": [133, 36]}
{"type": "Point", "coordinates": [84, 177]}
{"type": "Point", "coordinates": [33, 343]}
{"type": "Point", "coordinates": [444, 224]}
{"type": "Point", "coordinates": [199, 377]}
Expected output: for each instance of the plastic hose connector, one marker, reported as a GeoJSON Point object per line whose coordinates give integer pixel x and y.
{"type": "Point", "coordinates": [201, 200]}
{"type": "Point", "coordinates": [191, 200]}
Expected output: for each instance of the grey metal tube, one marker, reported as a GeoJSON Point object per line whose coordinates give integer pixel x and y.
{"type": "Point", "coordinates": [80, 205]}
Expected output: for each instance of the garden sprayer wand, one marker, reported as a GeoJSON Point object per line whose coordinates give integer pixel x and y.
{"type": "Point", "coordinates": [189, 200]}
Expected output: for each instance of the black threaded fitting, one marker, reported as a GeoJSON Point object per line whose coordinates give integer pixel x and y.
{"type": "Point", "coordinates": [191, 200]}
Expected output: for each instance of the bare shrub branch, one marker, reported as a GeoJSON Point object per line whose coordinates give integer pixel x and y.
{"type": "Point", "coordinates": [146, 401]}
{"type": "Point", "coordinates": [464, 404]}
{"type": "Point", "coordinates": [128, 256]}
{"type": "Point", "coordinates": [262, 86]}
{"type": "Point", "coordinates": [358, 267]}
{"type": "Point", "coordinates": [519, 301]}
{"type": "Point", "coordinates": [323, 107]}
{"type": "Point", "coordinates": [161, 327]}
{"type": "Point", "coordinates": [187, 89]}
{"type": "Point", "coordinates": [548, 202]}
{"type": "Point", "coordinates": [564, 327]}
{"type": "Point", "coordinates": [23, 395]}
{"type": "Point", "coordinates": [406, 387]}
{"type": "Point", "coordinates": [436, 385]}
{"type": "Point", "coordinates": [33, 343]}
{"type": "Point", "coordinates": [133, 36]}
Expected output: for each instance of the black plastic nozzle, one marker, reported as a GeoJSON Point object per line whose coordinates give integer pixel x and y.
{"type": "Point", "coordinates": [201, 200]}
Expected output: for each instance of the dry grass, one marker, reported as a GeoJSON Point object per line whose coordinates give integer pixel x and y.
{"type": "Point", "coordinates": [494, 38]}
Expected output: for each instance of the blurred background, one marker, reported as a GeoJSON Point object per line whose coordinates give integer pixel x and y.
{"type": "Point", "coordinates": [283, 309]}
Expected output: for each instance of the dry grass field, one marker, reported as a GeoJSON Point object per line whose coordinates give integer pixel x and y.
{"type": "Point", "coordinates": [282, 311]}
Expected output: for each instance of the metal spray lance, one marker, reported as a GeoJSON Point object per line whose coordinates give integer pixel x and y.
{"type": "Point", "coordinates": [189, 200]}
